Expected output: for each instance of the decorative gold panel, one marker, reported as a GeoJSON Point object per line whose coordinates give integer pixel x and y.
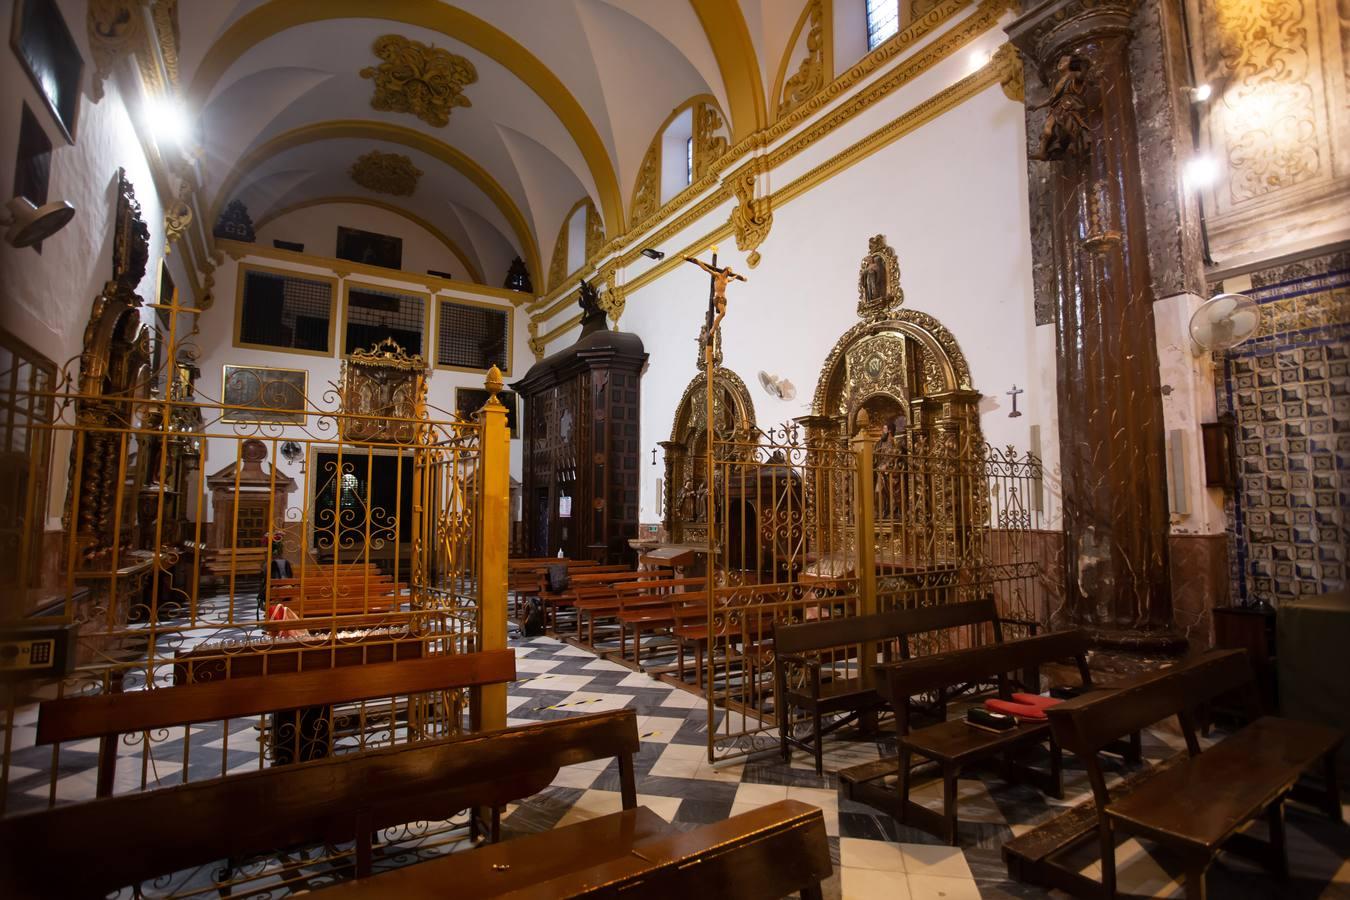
{"type": "Point", "coordinates": [416, 78]}
{"type": "Point", "coordinates": [810, 76]}
{"type": "Point", "coordinates": [879, 280]}
{"type": "Point", "coordinates": [386, 173]}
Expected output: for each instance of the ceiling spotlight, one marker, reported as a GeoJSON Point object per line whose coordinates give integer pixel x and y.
{"type": "Point", "coordinates": [653, 254]}
{"type": "Point", "coordinates": [1200, 172]}
{"type": "Point", "coordinates": [1200, 93]}
{"type": "Point", "coordinates": [27, 224]}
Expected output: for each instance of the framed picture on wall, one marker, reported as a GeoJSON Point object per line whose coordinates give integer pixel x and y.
{"type": "Point", "coordinates": [279, 392]}
{"type": "Point", "coordinates": [369, 247]}
{"type": "Point", "coordinates": [470, 400]}
{"type": "Point", "coordinates": [43, 44]}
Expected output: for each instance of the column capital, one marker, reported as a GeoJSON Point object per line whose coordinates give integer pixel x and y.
{"type": "Point", "coordinates": [1052, 28]}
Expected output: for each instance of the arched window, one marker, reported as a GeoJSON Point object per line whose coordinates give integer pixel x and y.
{"type": "Point", "coordinates": [883, 20]}
{"type": "Point", "coordinates": [576, 239]}
{"type": "Point", "coordinates": [676, 145]}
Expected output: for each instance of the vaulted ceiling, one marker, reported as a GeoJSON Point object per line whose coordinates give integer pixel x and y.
{"type": "Point", "coordinates": [532, 105]}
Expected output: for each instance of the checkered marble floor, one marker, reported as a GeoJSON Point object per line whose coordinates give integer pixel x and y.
{"type": "Point", "coordinates": [874, 856]}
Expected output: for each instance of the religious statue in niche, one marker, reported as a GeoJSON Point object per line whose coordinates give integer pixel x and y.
{"type": "Point", "coordinates": [1065, 130]}
{"type": "Point", "coordinates": [879, 279]}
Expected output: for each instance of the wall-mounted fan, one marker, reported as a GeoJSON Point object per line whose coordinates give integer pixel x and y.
{"type": "Point", "coordinates": [777, 386]}
{"type": "Point", "coordinates": [1224, 321]}
{"type": "Point", "coordinates": [27, 224]}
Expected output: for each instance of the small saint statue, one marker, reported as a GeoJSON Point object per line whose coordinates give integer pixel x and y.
{"type": "Point", "coordinates": [720, 278]}
{"type": "Point", "coordinates": [1066, 124]}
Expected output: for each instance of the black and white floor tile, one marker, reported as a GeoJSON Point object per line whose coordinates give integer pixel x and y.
{"type": "Point", "coordinates": [874, 855]}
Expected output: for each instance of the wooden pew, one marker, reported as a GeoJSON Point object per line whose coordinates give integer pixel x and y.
{"type": "Point", "coordinates": [953, 745]}
{"type": "Point", "coordinates": [606, 601]}
{"type": "Point", "coordinates": [764, 854]}
{"type": "Point", "coordinates": [526, 576]}
{"type": "Point", "coordinates": [138, 837]}
{"type": "Point", "coordinates": [247, 563]}
{"type": "Point", "coordinates": [600, 578]}
{"type": "Point", "coordinates": [108, 716]}
{"type": "Point", "coordinates": [798, 646]}
{"type": "Point", "coordinates": [643, 606]}
{"type": "Point", "coordinates": [1194, 804]}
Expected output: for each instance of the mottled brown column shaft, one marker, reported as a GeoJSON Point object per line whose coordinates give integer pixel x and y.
{"type": "Point", "coordinates": [1110, 409]}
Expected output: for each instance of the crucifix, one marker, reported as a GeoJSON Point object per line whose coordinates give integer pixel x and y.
{"type": "Point", "coordinates": [1013, 394]}
{"type": "Point", "coordinates": [717, 289]}
{"type": "Point", "coordinates": [653, 456]}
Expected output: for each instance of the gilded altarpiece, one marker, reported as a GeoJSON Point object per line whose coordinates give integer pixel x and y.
{"type": "Point", "coordinates": [383, 394]}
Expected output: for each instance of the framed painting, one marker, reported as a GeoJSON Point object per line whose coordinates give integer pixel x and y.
{"type": "Point", "coordinates": [470, 400]}
{"type": "Point", "coordinates": [43, 44]}
{"type": "Point", "coordinates": [277, 395]}
{"type": "Point", "coordinates": [369, 247]}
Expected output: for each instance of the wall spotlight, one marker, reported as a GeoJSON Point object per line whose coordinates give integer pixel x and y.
{"type": "Point", "coordinates": [168, 122]}
{"type": "Point", "coordinates": [1200, 172]}
{"type": "Point", "coordinates": [1200, 93]}
{"type": "Point", "coordinates": [653, 254]}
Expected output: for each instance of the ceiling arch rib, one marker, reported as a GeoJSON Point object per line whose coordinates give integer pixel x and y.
{"type": "Point", "coordinates": [729, 36]}
{"type": "Point", "coordinates": [276, 16]}
{"type": "Point", "coordinates": [394, 134]}
{"type": "Point", "coordinates": [473, 269]}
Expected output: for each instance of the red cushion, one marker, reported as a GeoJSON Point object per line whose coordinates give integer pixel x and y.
{"type": "Point", "coordinates": [1020, 710]}
{"type": "Point", "coordinates": [1037, 700]}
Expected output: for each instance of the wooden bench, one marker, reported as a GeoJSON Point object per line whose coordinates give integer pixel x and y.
{"type": "Point", "coordinates": [247, 563]}
{"type": "Point", "coordinates": [606, 600]}
{"type": "Point", "coordinates": [108, 716]}
{"type": "Point", "coordinates": [138, 837]}
{"type": "Point", "coordinates": [1193, 804]}
{"type": "Point", "coordinates": [664, 605]}
{"type": "Point", "coordinates": [798, 646]}
{"type": "Point", "coordinates": [526, 576]}
{"type": "Point", "coordinates": [953, 745]}
{"type": "Point", "coordinates": [599, 579]}
{"type": "Point", "coordinates": [764, 854]}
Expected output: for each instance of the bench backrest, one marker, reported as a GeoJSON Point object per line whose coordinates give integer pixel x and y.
{"type": "Point", "coordinates": [1086, 724]}
{"type": "Point", "coordinates": [825, 633]}
{"type": "Point", "coordinates": [77, 718]}
{"type": "Point", "coordinates": [136, 837]}
{"type": "Point", "coordinates": [922, 674]}
{"type": "Point", "coordinates": [767, 853]}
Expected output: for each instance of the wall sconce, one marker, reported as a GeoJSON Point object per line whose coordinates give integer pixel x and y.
{"type": "Point", "coordinates": [293, 452]}
{"type": "Point", "coordinates": [1200, 93]}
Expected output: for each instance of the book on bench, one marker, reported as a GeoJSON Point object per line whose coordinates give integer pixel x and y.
{"type": "Point", "coordinates": [988, 720]}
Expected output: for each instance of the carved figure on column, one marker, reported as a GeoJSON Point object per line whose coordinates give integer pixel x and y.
{"type": "Point", "coordinates": [1066, 123]}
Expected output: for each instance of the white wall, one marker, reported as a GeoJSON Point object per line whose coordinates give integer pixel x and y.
{"type": "Point", "coordinates": [316, 227]}
{"type": "Point", "coordinates": [960, 229]}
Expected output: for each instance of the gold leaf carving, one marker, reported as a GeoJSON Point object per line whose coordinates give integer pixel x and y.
{"type": "Point", "coordinates": [557, 266]}
{"type": "Point", "coordinates": [1008, 62]}
{"type": "Point", "coordinates": [116, 28]}
{"type": "Point", "coordinates": [647, 195]}
{"type": "Point", "coordinates": [879, 280]}
{"type": "Point", "coordinates": [386, 173]}
{"type": "Point", "coordinates": [177, 217]}
{"type": "Point", "coordinates": [420, 79]}
{"type": "Point", "coordinates": [595, 231]}
{"type": "Point", "coordinates": [753, 217]}
{"type": "Point", "coordinates": [810, 77]}
{"type": "Point", "coordinates": [708, 144]}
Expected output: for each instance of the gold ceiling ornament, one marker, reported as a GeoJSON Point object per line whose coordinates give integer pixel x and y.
{"type": "Point", "coordinates": [417, 78]}
{"type": "Point", "coordinates": [752, 218]}
{"type": "Point", "coordinates": [810, 77]}
{"type": "Point", "coordinates": [595, 231]}
{"type": "Point", "coordinates": [116, 28]}
{"type": "Point", "coordinates": [1008, 61]}
{"type": "Point", "coordinates": [879, 280]}
{"type": "Point", "coordinates": [536, 345]}
{"type": "Point", "coordinates": [614, 299]}
{"type": "Point", "coordinates": [386, 173]}
{"type": "Point", "coordinates": [647, 194]}
{"type": "Point", "coordinates": [177, 217]}
{"type": "Point", "coordinates": [709, 145]}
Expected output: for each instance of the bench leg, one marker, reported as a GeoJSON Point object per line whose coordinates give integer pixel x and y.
{"type": "Point", "coordinates": [902, 784]}
{"type": "Point", "coordinates": [1195, 880]}
{"type": "Point", "coordinates": [811, 892]}
{"type": "Point", "coordinates": [949, 780]}
{"type": "Point", "coordinates": [1279, 852]}
{"type": "Point", "coordinates": [1056, 769]}
{"type": "Point", "coordinates": [1333, 787]}
{"type": "Point", "coordinates": [819, 739]}
{"type": "Point", "coordinates": [1107, 836]}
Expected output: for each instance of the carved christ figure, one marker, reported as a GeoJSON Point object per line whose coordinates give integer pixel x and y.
{"type": "Point", "coordinates": [720, 279]}
{"type": "Point", "coordinates": [1066, 123]}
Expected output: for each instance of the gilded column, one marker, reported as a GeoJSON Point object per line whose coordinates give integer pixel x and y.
{"type": "Point", "coordinates": [1110, 411]}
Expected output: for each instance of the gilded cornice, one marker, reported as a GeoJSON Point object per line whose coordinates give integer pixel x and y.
{"type": "Point", "coordinates": [1048, 28]}
{"type": "Point", "coordinates": [416, 78]}
{"type": "Point", "coordinates": [345, 267]}
{"type": "Point", "coordinates": [752, 216]}
{"type": "Point", "coordinates": [474, 272]}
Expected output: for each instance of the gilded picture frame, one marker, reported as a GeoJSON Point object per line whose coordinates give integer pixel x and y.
{"type": "Point", "coordinates": [276, 395]}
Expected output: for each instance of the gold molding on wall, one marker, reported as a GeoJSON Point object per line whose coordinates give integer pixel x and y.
{"type": "Point", "coordinates": [818, 66]}
{"type": "Point", "coordinates": [474, 272]}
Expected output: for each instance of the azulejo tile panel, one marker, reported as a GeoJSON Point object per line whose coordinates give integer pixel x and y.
{"type": "Point", "coordinates": [1288, 389]}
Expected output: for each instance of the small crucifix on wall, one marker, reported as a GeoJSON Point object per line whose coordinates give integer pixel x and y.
{"type": "Point", "coordinates": [1013, 394]}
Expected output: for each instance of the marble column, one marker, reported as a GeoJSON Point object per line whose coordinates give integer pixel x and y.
{"type": "Point", "coordinates": [1110, 411]}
